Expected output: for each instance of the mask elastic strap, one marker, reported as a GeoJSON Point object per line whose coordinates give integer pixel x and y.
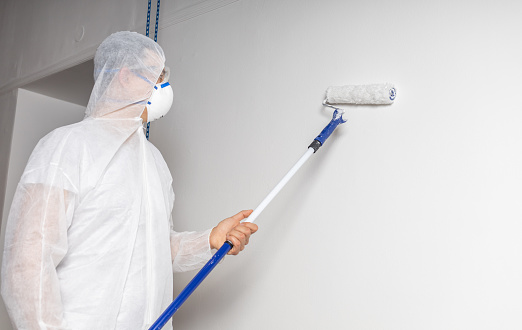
{"type": "Point", "coordinates": [143, 77]}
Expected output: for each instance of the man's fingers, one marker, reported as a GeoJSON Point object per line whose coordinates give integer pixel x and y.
{"type": "Point", "coordinates": [239, 237]}
{"type": "Point", "coordinates": [242, 215]}
{"type": "Point", "coordinates": [252, 226]}
{"type": "Point", "coordinates": [236, 245]}
{"type": "Point", "coordinates": [239, 234]}
{"type": "Point", "coordinates": [243, 229]}
{"type": "Point", "coordinates": [242, 237]}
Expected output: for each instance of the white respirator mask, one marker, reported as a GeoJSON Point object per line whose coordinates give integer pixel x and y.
{"type": "Point", "coordinates": [160, 101]}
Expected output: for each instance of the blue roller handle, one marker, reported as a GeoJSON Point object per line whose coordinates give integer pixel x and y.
{"type": "Point", "coordinates": [196, 281]}
{"type": "Point", "coordinates": [328, 130]}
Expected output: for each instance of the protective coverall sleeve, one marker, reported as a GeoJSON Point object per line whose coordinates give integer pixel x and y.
{"type": "Point", "coordinates": [36, 242]}
{"type": "Point", "coordinates": [190, 250]}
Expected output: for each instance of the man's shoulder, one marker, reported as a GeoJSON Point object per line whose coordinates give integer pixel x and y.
{"type": "Point", "coordinates": [66, 139]}
{"type": "Point", "coordinates": [64, 133]}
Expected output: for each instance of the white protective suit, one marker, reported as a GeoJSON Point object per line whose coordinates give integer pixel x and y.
{"type": "Point", "coordinates": [89, 239]}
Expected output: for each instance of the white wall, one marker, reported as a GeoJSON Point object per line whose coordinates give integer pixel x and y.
{"type": "Point", "coordinates": [408, 218]}
{"type": "Point", "coordinates": [36, 115]}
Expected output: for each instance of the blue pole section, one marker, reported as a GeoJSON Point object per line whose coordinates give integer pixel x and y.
{"type": "Point", "coordinates": [196, 281]}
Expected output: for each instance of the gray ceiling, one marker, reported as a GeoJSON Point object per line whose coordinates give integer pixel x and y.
{"type": "Point", "coordinates": [72, 85]}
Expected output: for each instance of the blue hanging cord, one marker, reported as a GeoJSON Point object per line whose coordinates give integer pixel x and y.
{"type": "Point", "coordinates": [157, 21]}
{"type": "Point", "coordinates": [155, 38]}
{"type": "Point", "coordinates": [148, 20]}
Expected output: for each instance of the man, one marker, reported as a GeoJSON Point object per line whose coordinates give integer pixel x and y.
{"type": "Point", "coordinates": [89, 239]}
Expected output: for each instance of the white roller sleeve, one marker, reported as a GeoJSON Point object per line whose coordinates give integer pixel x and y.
{"type": "Point", "coordinates": [361, 94]}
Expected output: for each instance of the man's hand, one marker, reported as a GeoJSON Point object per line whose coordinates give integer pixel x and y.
{"type": "Point", "coordinates": [231, 229]}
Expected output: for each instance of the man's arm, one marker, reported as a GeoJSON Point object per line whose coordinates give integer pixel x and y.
{"type": "Point", "coordinates": [36, 242]}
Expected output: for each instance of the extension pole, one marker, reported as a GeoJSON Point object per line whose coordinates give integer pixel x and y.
{"type": "Point", "coordinates": [227, 246]}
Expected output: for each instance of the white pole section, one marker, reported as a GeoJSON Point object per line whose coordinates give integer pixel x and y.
{"type": "Point", "coordinates": [279, 186]}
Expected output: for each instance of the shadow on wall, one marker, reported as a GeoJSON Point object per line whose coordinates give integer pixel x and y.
{"type": "Point", "coordinates": [72, 85]}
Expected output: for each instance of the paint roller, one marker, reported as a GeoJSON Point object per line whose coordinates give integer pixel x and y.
{"type": "Point", "coordinates": [377, 94]}
{"type": "Point", "coordinates": [361, 94]}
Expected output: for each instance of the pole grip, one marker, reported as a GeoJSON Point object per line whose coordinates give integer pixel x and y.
{"type": "Point", "coordinates": [328, 130]}
{"type": "Point", "coordinates": [196, 281]}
